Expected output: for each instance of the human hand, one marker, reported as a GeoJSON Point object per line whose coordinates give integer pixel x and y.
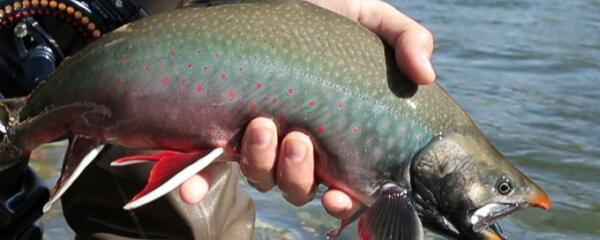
{"type": "Point", "coordinates": [266, 164]}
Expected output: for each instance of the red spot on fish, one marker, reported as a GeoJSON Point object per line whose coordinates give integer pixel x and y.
{"type": "Point", "coordinates": [171, 53]}
{"type": "Point", "coordinates": [146, 68]}
{"type": "Point", "coordinates": [356, 130]}
{"type": "Point", "coordinates": [165, 80]}
{"type": "Point", "coordinates": [242, 69]}
{"type": "Point", "coordinates": [290, 91]}
{"type": "Point", "coordinates": [253, 106]}
{"type": "Point", "coordinates": [184, 81]}
{"type": "Point", "coordinates": [320, 129]}
{"type": "Point", "coordinates": [224, 77]}
{"type": "Point", "coordinates": [200, 88]}
{"type": "Point", "coordinates": [378, 153]}
{"type": "Point", "coordinates": [259, 85]}
{"type": "Point", "coordinates": [281, 118]}
{"type": "Point", "coordinates": [190, 66]}
{"type": "Point", "coordinates": [118, 81]}
{"type": "Point", "coordinates": [136, 93]}
{"type": "Point", "coordinates": [274, 101]}
{"type": "Point", "coordinates": [125, 60]}
{"type": "Point", "coordinates": [312, 103]}
{"type": "Point", "coordinates": [340, 105]}
{"type": "Point", "coordinates": [205, 69]}
{"type": "Point", "coordinates": [231, 95]}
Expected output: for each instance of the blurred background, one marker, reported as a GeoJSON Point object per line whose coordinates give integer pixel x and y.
{"type": "Point", "coordinates": [528, 72]}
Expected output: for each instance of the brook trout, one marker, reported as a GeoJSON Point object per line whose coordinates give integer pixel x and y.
{"type": "Point", "coordinates": [188, 81]}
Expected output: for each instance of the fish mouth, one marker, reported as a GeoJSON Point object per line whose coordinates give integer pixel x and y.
{"type": "Point", "coordinates": [494, 232]}
{"type": "Point", "coordinates": [484, 220]}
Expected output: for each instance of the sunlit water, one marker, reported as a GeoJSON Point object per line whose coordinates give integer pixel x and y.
{"type": "Point", "coordinates": [528, 72]}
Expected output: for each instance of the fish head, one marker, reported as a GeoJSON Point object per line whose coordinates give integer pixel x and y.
{"type": "Point", "coordinates": [464, 186]}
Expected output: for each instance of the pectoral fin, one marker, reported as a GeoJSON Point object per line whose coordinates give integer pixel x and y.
{"type": "Point", "coordinates": [80, 153]}
{"type": "Point", "coordinates": [392, 216]}
{"type": "Point", "coordinates": [170, 171]}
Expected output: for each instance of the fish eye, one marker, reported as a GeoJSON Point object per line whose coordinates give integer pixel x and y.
{"type": "Point", "coordinates": [504, 186]}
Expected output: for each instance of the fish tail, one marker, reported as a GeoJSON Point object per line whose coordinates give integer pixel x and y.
{"type": "Point", "coordinates": [10, 154]}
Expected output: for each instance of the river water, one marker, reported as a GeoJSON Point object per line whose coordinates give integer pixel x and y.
{"type": "Point", "coordinates": [528, 72]}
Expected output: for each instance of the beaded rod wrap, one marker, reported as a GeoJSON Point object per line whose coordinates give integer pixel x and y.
{"type": "Point", "coordinates": [70, 12]}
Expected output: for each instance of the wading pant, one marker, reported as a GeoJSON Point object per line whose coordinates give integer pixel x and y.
{"type": "Point", "coordinates": [93, 206]}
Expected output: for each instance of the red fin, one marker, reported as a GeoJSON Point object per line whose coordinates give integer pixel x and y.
{"type": "Point", "coordinates": [133, 159]}
{"type": "Point", "coordinates": [171, 169]}
{"type": "Point", "coordinates": [81, 152]}
{"type": "Point", "coordinates": [392, 216]}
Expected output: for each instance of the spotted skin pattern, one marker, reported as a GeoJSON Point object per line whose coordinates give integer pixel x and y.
{"type": "Point", "coordinates": [192, 79]}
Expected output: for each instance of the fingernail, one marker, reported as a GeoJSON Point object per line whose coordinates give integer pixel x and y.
{"type": "Point", "coordinates": [426, 61]}
{"type": "Point", "coordinates": [295, 151]}
{"type": "Point", "coordinates": [428, 68]}
{"type": "Point", "coordinates": [260, 137]}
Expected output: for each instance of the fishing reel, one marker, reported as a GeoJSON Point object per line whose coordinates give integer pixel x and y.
{"type": "Point", "coordinates": [36, 35]}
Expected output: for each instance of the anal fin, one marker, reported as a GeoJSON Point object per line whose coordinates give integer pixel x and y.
{"type": "Point", "coordinates": [80, 153]}
{"type": "Point", "coordinates": [170, 171]}
{"type": "Point", "coordinates": [392, 216]}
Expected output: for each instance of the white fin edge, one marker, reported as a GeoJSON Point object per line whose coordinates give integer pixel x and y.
{"type": "Point", "coordinates": [128, 162]}
{"type": "Point", "coordinates": [176, 180]}
{"type": "Point", "coordinates": [78, 170]}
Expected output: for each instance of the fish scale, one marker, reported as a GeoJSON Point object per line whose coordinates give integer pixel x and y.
{"type": "Point", "coordinates": [189, 81]}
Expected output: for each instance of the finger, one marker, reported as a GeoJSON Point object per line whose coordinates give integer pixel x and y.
{"type": "Point", "coordinates": [413, 52]}
{"type": "Point", "coordinates": [194, 189]}
{"type": "Point", "coordinates": [339, 204]}
{"type": "Point", "coordinates": [412, 42]}
{"type": "Point", "coordinates": [259, 150]}
{"type": "Point", "coordinates": [295, 169]}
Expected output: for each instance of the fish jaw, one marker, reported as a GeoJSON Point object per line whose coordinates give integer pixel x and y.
{"type": "Point", "coordinates": [484, 220]}
{"type": "Point", "coordinates": [494, 232]}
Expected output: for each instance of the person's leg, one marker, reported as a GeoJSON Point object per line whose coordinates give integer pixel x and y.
{"type": "Point", "coordinates": [93, 205]}
{"type": "Point", "coordinates": [22, 194]}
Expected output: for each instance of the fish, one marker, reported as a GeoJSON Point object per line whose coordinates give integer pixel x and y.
{"type": "Point", "coordinates": [187, 82]}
